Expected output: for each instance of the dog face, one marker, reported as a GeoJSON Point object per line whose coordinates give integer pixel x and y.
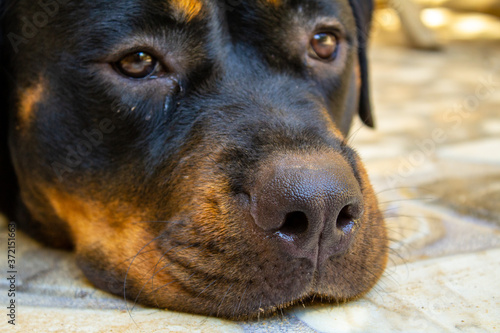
{"type": "Point", "coordinates": [192, 151]}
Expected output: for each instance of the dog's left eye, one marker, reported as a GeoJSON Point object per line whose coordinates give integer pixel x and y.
{"type": "Point", "coordinates": [324, 46]}
{"type": "Point", "coordinates": [137, 65]}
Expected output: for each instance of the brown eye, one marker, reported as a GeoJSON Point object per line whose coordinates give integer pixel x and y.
{"type": "Point", "coordinates": [137, 65]}
{"type": "Point", "coordinates": [324, 46]}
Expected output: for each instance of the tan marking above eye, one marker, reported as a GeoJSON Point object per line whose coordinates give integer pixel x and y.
{"type": "Point", "coordinates": [29, 98]}
{"type": "Point", "coordinates": [189, 9]}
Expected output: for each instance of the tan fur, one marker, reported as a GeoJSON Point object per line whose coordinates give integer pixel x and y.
{"type": "Point", "coordinates": [189, 9]}
{"type": "Point", "coordinates": [29, 99]}
{"type": "Point", "coordinates": [275, 3]}
{"type": "Point", "coordinates": [119, 234]}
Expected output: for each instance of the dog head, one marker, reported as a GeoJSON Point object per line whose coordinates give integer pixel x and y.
{"type": "Point", "coordinates": [193, 151]}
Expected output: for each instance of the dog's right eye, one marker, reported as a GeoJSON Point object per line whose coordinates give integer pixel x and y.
{"type": "Point", "coordinates": [137, 65]}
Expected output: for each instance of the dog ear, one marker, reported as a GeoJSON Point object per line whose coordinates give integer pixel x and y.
{"type": "Point", "coordinates": [363, 10]}
{"type": "Point", "coordinates": [8, 183]}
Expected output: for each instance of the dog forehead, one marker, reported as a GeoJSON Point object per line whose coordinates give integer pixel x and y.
{"type": "Point", "coordinates": [272, 15]}
{"type": "Point", "coordinates": [133, 13]}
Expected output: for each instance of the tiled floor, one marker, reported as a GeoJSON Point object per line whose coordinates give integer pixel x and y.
{"type": "Point", "coordinates": [435, 162]}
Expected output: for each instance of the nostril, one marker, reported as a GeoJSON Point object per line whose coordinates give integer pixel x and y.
{"type": "Point", "coordinates": [346, 220]}
{"type": "Point", "coordinates": [295, 223]}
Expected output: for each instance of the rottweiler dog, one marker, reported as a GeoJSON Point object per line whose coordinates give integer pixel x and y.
{"type": "Point", "coordinates": [193, 152]}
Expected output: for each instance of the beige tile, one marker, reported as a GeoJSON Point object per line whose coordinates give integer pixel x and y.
{"type": "Point", "coordinates": [482, 151]}
{"type": "Point", "coordinates": [33, 319]}
{"type": "Point", "coordinates": [456, 293]}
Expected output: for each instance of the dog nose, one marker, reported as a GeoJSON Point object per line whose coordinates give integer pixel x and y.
{"type": "Point", "coordinates": [310, 205]}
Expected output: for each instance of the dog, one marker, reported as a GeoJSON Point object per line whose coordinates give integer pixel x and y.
{"type": "Point", "coordinates": [193, 153]}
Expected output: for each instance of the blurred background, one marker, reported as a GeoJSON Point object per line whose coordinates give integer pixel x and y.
{"type": "Point", "coordinates": [435, 78]}
{"type": "Point", "coordinates": [446, 20]}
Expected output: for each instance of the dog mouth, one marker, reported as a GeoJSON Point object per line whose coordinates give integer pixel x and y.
{"type": "Point", "coordinates": [304, 230]}
{"type": "Point", "coordinates": [265, 275]}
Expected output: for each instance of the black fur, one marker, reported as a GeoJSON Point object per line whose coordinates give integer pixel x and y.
{"type": "Point", "coordinates": [9, 195]}
{"type": "Point", "coordinates": [169, 161]}
{"type": "Point", "coordinates": [8, 183]}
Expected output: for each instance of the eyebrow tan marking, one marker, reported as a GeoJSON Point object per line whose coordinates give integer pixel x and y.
{"type": "Point", "coordinates": [189, 9]}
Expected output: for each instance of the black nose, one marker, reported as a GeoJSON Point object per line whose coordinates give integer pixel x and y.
{"type": "Point", "coordinates": [311, 205]}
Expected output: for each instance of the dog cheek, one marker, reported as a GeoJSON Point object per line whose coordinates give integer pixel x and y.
{"type": "Point", "coordinates": [115, 249]}
{"type": "Point", "coordinates": [29, 99]}
{"type": "Point", "coordinates": [373, 242]}
{"type": "Point", "coordinates": [96, 267]}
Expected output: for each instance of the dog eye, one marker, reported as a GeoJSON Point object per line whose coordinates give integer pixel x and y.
{"type": "Point", "coordinates": [137, 65]}
{"type": "Point", "coordinates": [324, 46]}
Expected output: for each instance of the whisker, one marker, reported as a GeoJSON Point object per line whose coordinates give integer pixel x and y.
{"type": "Point", "coordinates": [402, 188]}
{"type": "Point", "coordinates": [241, 299]}
{"type": "Point", "coordinates": [126, 276]}
{"type": "Point", "coordinates": [157, 272]}
{"type": "Point", "coordinates": [167, 284]}
{"type": "Point", "coordinates": [145, 283]}
{"type": "Point", "coordinates": [223, 298]}
{"type": "Point", "coordinates": [352, 134]}
{"type": "Point", "coordinates": [407, 200]}
{"type": "Point", "coordinates": [206, 288]}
